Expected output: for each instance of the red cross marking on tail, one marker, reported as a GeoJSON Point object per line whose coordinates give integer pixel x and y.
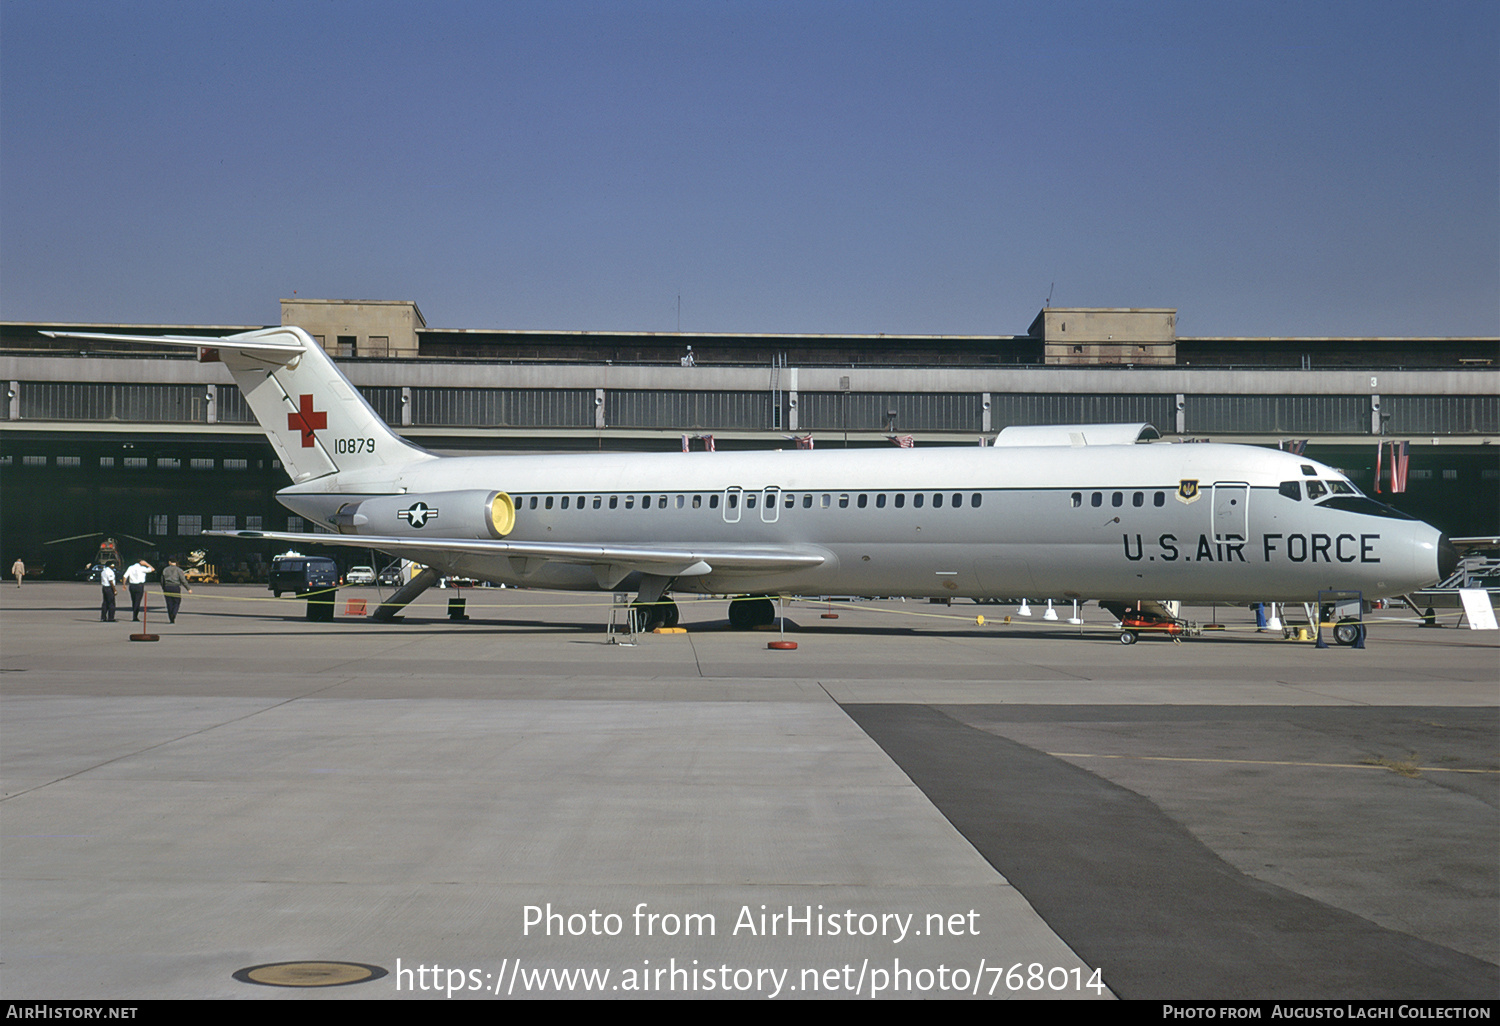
{"type": "Point", "coordinates": [307, 421]}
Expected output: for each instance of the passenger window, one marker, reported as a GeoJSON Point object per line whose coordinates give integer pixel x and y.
{"type": "Point", "coordinates": [1117, 499]}
{"type": "Point", "coordinates": [1097, 499]}
{"type": "Point", "coordinates": [1138, 499]}
{"type": "Point", "coordinates": [580, 502]}
{"type": "Point", "coordinates": [864, 500]}
{"type": "Point", "coordinates": [900, 499]}
{"type": "Point", "coordinates": [549, 502]}
{"type": "Point", "coordinates": [880, 501]}
{"type": "Point", "coordinates": [697, 502]}
{"type": "Point", "coordinates": [645, 502]}
{"type": "Point", "coordinates": [1292, 490]}
{"type": "Point", "coordinates": [564, 502]}
{"type": "Point", "coordinates": [661, 500]}
{"type": "Point", "coordinates": [750, 501]}
{"type": "Point", "coordinates": [630, 502]}
{"type": "Point", "coordinates": [1159, 499]}
{"type": "Point", "coordinates": [734, 500]}
{"type": "Point", "coordinates": [790, 500]}
{"type": "Point", "coordinates": [614, 502]}
{"type": "Point", "coordinates": [916, 500]}
{"type": "Point", "coordinates": [713, 501]}
{"type": "Point", "coordinates": [843, 502]}
{"type": "Point", "coordinates": [937, 500]}
{"type": "Point", "coordinates": [1315, 490]}
{"type": "Point", "coordinates": [681, 501]}
{"type": "Point", "coordinates": [598, 502]}
{"type": "Point", "coordinates": [1077, 499]}
{"type": "Point", "coordinates": [807, 501]}
{"type": "Point", "coordinates": [826, 501]}
{"type": "Point", "coordinates": [533, 502]}
{"type": "Point", "coordinates": [958, 500]}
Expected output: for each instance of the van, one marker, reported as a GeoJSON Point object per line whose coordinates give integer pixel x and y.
{"type": "Point", "coordinates": [300, 574]}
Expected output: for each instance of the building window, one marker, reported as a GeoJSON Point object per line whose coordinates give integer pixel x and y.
{"type": "Point", "coordinates": [252, 523]}
{"type": "Point", "coordinates": [168, 463]}
{"type": "Point", "coordinates": [294, 525]}
{"type": "Point", "coordinates": [70, 461]}
{"type": "Point", "coordinates": [33, 461]}
{"type": "Point", "coordinates": [223, 523]}
{"type": "Point", "coordinates": [157, 524]}
{"type": "Point", "coordinates": [189, 523]}
{"type": "Point", "coordinates": [201, 464]}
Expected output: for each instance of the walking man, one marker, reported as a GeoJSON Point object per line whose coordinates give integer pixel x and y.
{"type": "Point", "coordinates": [18, 571]}
{"type": "Point", "coordinates": [107, 583]}
{"type": "Point", "coordinates": [135, 580]}
{"type": "Point", "coordinates": [173, 581]}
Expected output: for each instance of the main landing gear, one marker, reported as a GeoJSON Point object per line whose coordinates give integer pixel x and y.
{"type": "Point", "coordinates": [750, 612]}
{"type": "Point", "coordinates": [648, 616]}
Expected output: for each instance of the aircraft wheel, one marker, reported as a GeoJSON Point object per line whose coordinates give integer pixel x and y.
{"type": "Point", "coordinates": [747, 613]}
{"type": "Point", "coordinates": [1128, 637]}
{"type": "Point", "coordinates": [1347, 632]}
{"type": "Point", "coordinates": [669, 613]}
{"type": "Point", "coordinates": [645, 617]}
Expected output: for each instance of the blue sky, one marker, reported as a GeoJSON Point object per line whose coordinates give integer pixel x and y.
{"type": "Point", "coordinates": [1267, 168]}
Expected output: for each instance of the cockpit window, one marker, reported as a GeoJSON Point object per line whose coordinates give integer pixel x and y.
{"type": "Point", "coordinates": [1316, 490]}
{"type": "Point", "coordinates": [1292, 490]}
{"type": "Point", "coordinates": [1308, 471]}
{"type": "Point", "coordinates": [1369, 507]}
{"type": "Point", "coordinates": [1342, 488]}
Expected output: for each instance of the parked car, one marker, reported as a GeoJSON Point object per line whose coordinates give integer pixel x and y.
{"type": "Point", "coordinates": [360, 575]}
{"type": "Point", "coordinates": [390, 576]}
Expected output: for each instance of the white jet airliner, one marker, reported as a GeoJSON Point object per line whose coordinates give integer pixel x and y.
{"type": "Point", "coordinates": [1071, 512]}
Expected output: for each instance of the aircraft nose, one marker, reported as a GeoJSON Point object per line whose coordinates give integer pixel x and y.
{"type": "Point", "coordinates": [1447, 558]}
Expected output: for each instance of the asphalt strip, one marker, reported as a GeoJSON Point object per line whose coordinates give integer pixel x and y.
{"type": "Point", "coordinates": [1134, 894]}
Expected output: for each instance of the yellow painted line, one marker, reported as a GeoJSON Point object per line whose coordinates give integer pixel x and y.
{"type": "Point", "coordinates": [1266, 762]}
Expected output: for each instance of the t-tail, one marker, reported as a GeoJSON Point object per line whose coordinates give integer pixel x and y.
{"type": "Point", "coordinates": [317, 422]}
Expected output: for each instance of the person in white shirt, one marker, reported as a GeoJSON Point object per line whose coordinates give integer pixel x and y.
{"type": "Point", "coordinates": [107, 582]}
{"type": "Point", "coordinates": [135, 580]}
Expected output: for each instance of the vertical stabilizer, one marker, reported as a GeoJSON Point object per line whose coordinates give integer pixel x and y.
{"type": "Point", "coordinates": [315, 419]}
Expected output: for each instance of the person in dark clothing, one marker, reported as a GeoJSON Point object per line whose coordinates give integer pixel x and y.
{"type": "Point", "coordinates": [173, 582]}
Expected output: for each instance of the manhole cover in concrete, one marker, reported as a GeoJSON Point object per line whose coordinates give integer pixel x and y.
{"type": "Point", "coordinates": [309, 974]}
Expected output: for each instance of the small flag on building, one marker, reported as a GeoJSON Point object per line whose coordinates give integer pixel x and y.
{"type": "Point", "coordinates": [1400, 459]}
{"type": "Point", "coordinates": [905, 441]}
{"type": "Point", "coordinates": [803, 441]}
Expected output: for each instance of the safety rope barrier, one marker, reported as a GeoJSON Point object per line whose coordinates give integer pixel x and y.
{"type": "Point", "coordinates": [603, 601]}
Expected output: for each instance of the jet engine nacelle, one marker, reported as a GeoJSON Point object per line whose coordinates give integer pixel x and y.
{"type": "Point", "coordinates": [466, 514]}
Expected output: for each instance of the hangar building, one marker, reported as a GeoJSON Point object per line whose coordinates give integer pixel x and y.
{"type": "Point", "coordinates": [151, 447]}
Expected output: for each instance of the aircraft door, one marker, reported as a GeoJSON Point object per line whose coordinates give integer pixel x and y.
{"type": "Point", "coordinates": [770, 507]}
{"type": "Point", "coordinates": [733, 496]}
{"type": "Point", "coordinates": [1231, 506]}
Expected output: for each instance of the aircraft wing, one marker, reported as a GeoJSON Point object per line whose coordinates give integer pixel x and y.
{"type": "Point", "coordinates": [609, 561]}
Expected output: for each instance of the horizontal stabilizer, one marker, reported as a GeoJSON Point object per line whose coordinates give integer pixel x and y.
{"type": "Point", "coordinates": [248, 345]}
